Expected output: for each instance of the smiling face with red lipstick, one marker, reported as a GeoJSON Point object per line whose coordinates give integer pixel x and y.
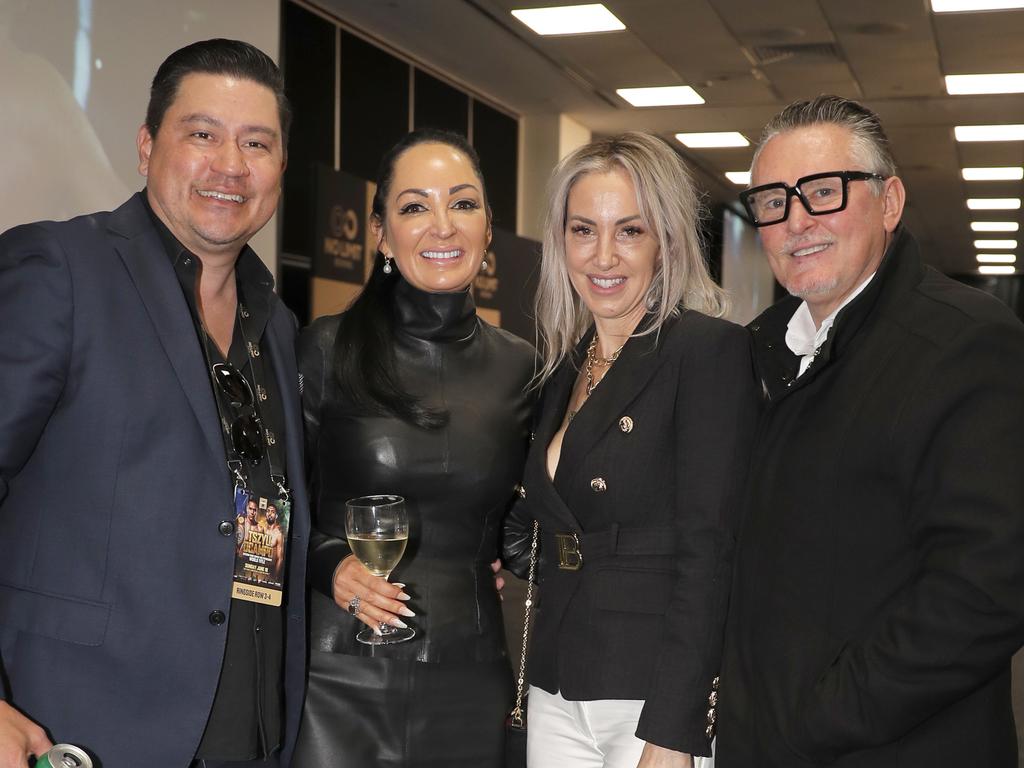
{"type": "Point", "coordinates": [437, 225]}
{"type": "Point", "coordinates": [213, 171]}
{"type": "Point", "coordinates": [611, 253]}
{"type": "Point", "coordinates": [823, 258]}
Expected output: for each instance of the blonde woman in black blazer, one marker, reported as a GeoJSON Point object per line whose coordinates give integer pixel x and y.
{"type": "Point", "coordinates": [639, 455]}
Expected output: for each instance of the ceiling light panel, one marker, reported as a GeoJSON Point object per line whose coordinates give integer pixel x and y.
{"type": "Point", "coordinates": [667, 96]}
{"type": "Point", "coordinates": [738, 177]}
{"type": "Point", "coordinates": [709, 140]}
{"type": "Point", "coordinates": [995, 226]}
{"type": "Point", "coordinates": [965, 85]}
{"type": "Point", "coordinates": [569, 19]}
{"type": "Point", "coordinates": [993, 203]}
{"type": "Point", "coordinates": [995, 245]}
{"type": "Point", "coordinates": [989, 132]}
{"type": "Point", "coordinates": [1006, 173]}
{"type": "Point", "coordinates": [996, 258]}
{"type": "Point", "coordinates": [997, 270]}
{"type": "Point", "coordinates": [959, 6]}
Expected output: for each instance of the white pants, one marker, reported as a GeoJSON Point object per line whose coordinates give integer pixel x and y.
{"type": "Point", "coordinates": [585, 734]}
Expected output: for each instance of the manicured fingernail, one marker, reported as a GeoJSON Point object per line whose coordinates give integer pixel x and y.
{"type": "Point", "coordinates": [405, 611]}
{"type": "Point", "coordinates": [376, 631]}
{"type": "Point", "coordinates": [403, 596]}
{"type": "Point", "coordinates": [398, 623]}
{"type": "Point", "coordinates": [398, 584]}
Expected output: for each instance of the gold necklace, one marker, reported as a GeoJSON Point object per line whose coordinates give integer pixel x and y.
{"type": "Point", "coordinates": [592, 360]}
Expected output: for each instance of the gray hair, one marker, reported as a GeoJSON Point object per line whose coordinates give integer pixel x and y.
{"type": "Point", "coordinates": [870, 144]}
{"type": "Point", "coordinates": [669, 206]}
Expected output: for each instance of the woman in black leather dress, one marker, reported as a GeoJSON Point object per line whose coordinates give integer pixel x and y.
{"type": "Point", "coordinates": [409, 392]}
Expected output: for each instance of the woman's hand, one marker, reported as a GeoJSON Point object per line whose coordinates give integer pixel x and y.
{"type": "Point", "coordinates": [378, 602]}
{"type": "Point", "coordinates": [658, 757]}
{"type": "Point", "coordinates": [499, 581]}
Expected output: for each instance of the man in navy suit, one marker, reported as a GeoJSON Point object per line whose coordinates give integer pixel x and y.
{"type": "Point", "coordinates": [149, 397]}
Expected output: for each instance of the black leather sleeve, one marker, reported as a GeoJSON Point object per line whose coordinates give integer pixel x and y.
{"type": "Point", "coordinates": [517, 532]}
{"type": "Point", "coordinates": [314, 350]}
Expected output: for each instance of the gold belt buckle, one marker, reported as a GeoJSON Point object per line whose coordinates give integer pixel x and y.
{"type": "Point", "coordinates": [569, 556]}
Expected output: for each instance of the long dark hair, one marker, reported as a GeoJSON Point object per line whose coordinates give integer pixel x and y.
{"type": "Point", "coordinates": [364, 355]}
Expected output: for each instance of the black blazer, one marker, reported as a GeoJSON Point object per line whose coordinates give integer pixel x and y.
{"type": "Point", "coordinates": [648, 480]}
{"type": "Point", "coordinates": [113, 494]}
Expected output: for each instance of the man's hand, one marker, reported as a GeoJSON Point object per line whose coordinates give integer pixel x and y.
{"type": "Point", "coordinates": [19, 738]}
{"type": "Point", "coordinates": [659, 757]}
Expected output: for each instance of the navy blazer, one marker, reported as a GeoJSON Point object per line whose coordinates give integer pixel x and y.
{"type": "Point", "coordinates": [112, 491]}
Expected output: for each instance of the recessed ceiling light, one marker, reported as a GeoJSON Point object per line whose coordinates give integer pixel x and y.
{"type": "Point", "coordinates": [989, 132]}
{"type": "Point", "coordinates": [707, 140]}
{"type": "Point", "coordinates": [995, 245]}
{"type": "Point", "coordinates": [666, 96]}
{"type": "Point", "coordinates": [1006, 82]}
{"type": "Point", "coordinates": [738, 177]}
{"type": "Point", "coordinates": [955, 6]}
{"type": "Point", "coordinates": [1006, 173]}
{"type": "Point", "coordinates": [569, 19]}
{"type": "Point", "coordinates": [1000, 270]}
{"type": "Point", "coordinates": [995, 226]}
{"type": "Point", "coordinates": [993, 203]}
{"type": "Point", "coordinates": [996, 258]}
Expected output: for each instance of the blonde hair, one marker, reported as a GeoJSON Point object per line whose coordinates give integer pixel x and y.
{"type": "Point", "coordinates": [670, 208]}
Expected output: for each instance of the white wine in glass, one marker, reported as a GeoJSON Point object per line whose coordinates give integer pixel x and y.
{"type": "Point", "coordinates": [378, 530]}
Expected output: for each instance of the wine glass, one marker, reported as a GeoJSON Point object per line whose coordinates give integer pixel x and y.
{"type": "Point", "coordinates": [378, 530]}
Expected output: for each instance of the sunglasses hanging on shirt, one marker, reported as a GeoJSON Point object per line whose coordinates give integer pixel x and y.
{"type": "Point", "coordinates": [247, 442]}
{"type": "Point", "coordinates": [244, 428]}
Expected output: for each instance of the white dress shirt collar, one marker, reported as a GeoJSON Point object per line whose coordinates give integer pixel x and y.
{"type": "Point", "coordinates": [804, 339]}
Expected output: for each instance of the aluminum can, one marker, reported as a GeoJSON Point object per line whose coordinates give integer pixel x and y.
{"type": "Point", "coordinates": [64, 756]}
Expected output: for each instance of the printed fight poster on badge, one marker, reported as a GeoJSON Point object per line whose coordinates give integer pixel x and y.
{"type": "Point", "coordinates": [261, 530]}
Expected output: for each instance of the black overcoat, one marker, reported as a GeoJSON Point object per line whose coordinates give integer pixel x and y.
{"type": "Point", "coordinates": [879, 591]}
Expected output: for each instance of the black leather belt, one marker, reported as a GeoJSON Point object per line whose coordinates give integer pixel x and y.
{"type": "Point", "coordinates": [571, 547]}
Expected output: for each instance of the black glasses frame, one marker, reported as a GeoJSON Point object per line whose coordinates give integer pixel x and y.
{"type": "Point", "coordinates": [246, 430]}
{"type": "Point", "coordinates": [794, 191]}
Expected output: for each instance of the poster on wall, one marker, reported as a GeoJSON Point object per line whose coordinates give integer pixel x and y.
{"type": "Point", "coordinates": [505, 289]}
{"type": "Point", "coordinates": [339, 252]}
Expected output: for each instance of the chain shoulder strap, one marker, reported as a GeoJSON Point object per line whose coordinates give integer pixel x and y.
{"type": "Point", "coordinates": [516, 716]}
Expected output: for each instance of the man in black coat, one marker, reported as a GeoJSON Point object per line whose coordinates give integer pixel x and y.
{"type": "Point", "coordinates": [879, 590]}
{"type": "Point", "coordinates": [148, 392]}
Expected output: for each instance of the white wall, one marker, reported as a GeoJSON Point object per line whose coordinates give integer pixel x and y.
{"type": "Point", "coordinates": [74, 82]}
{"type": "Point", "coordinates": [745, 271]}
{"type": "Point", "coordinates": [543, 141]}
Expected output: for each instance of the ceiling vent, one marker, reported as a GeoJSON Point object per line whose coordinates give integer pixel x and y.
{"type": "Point", "coordinates": [775, 54]}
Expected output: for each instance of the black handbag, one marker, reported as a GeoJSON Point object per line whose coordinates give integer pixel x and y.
{"type": "Point", "coordinates": [515, 723]}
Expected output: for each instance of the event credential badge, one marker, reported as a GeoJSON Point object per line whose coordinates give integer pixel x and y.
{"type": "Point", "coordinates": [261, 531]}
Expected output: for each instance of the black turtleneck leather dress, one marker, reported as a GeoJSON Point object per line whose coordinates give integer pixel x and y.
{"type": "Point", "coordinates": [441, 698]}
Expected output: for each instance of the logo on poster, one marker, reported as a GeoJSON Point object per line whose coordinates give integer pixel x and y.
{"type": "Point", "coordinates": [342, 243]}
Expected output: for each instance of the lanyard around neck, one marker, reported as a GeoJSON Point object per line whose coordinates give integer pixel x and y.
{"type": "Point", "coordinates": [272, 449]}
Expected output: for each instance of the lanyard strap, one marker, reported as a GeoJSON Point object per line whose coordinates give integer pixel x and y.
{"type": "Point", "coordinates": [272, 449]}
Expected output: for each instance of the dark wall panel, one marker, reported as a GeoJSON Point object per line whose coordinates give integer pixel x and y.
{"type": "Point", "coordinates": [293, 288]}
{"type": "Point", "coordinates": [374, 105]}
{"type": "Point", "coordinates": [496, 139]}
{"type": "Point", "coordinates": [307, 56]}
{"type": "Point", "coordinates": [439, 105]}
